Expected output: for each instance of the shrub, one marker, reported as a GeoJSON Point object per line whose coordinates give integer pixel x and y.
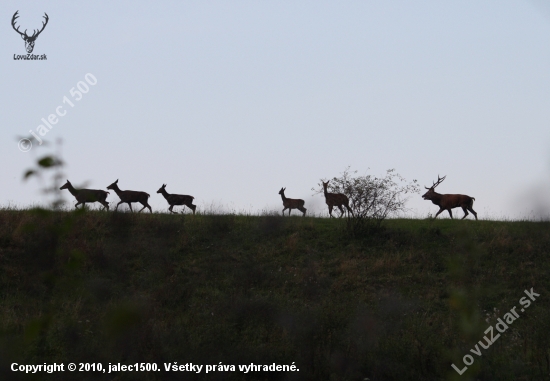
{"type": "Point", "coordinates": [372, 198]}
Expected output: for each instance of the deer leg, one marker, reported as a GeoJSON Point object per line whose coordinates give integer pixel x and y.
{"type": "Point", "coordinates": [450, 213]}
{"type": "Point", "coordinates": [284, 211]}
{"type": "Point", "coordinates": [130, 205]}
{"type": "Point", "coordinates": [145, 205]}
{"type": "Point", "coordinates": [149, 207]}
{"type": "Point", "coordinates": [437, 214]}
{"type": "Point", "coordinates": [170, 208]}
{"type": "Point", "coordinates": [303, 210]}
{"type": "Point", "coordinates": [330, 210]}
{"type": "Point", "coordinates": [473, 212]}
{"type": "Point", "coordinates": [105, 205]}
{"type": "Point", "coordinates": [465, 212]}
{"type": "Point", "coordinates": [118, 205]}
{"type": "Point", "coordinates": [341, 211]}
{"type": "Point", "coordinates": [289, 211]}
{"type": "Point", "coordinates": [76, 206]}
{"type": "Point", "coordinates": [192, 207]}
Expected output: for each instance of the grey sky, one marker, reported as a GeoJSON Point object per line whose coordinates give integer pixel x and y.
{"type": "Point", "coordinates": [231, 100]}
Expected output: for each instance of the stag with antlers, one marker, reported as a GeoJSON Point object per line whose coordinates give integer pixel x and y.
{"type": "Point", "coordinates": [449, 201]}
{"type": "Point", "coordinates": [29, 40]}
{"type": "Point", "coordinates": [336, 199]}
{"type": "Point", "coordinates": [87, 195]}
{"type": "Point", "coordinates": [292, 203]}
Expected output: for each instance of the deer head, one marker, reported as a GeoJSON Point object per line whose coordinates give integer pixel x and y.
{"type": "Point", "coordinates": [29, 40]}
{"type": "Point", "coordinates": [66, 186]}
{"type": "Point", "coordinates": [113, 185]}
{"type": "Point", "coordinates": [162, 188]}
{"type": "Point", "coordinates": [431, 190]}
{"type": "Point", "coordinates": [282, 191]}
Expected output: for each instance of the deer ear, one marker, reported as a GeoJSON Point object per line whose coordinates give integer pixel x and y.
{"type": "Point", "coordinates": [116, 181]}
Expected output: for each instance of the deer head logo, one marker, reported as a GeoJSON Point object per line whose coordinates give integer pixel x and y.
{"type": "Point", "coordinates": [29, 40]}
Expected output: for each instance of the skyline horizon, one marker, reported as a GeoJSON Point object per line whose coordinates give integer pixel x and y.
{"type": "Point", "coordinates": [231, 102]}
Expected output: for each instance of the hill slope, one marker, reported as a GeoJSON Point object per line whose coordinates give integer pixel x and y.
{"type": "Point", "coordinates": [400, 303]}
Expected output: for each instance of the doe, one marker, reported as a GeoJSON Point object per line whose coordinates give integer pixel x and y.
{"type": "Point", "coordinates": [87, 195]}
{"type": "Point", "coordinates": [129, 196]}
{"type": "Point", "coordinates": [177, 199]}
{"type": "Point", "coordinates": [336, 199]}
{"type": "Point", "coordinates": [292, 203]}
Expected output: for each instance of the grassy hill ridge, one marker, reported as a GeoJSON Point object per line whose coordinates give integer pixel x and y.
{"type": "Point", "coordinates": [402, 302]}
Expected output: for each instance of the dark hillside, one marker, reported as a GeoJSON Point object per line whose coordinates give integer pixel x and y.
{"type": "Point", "coordinates": [400, 303]}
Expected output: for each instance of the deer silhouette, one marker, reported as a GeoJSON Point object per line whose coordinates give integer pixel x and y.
{"type": "Point", "coordinates": [29, 40]}
{"type": "Point", "coordinates": [292, 203]}
{"type": "Point", "coordinates": [87, 195]}
{"type": "Point", "coordinates": [449, 201]}
{"type": "Point", "coordinates": [177, 199]}
{"type": "Point", "coordinates": [336, 199]}
{"type": "Point", "coordinates": [129, 196]}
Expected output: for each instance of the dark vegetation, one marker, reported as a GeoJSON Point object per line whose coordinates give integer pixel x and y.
{"type": "Point", "coordinates": [400, 302]}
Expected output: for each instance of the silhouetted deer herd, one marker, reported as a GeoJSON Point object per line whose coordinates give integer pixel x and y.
{"type": "Point", "coordinates": [83, 196]}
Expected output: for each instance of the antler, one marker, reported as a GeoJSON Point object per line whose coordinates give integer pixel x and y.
{"type": "Point", "coordinates": [35, 34]}
{"type": "Point", "coordinates": [439, 181]}
{"type": "Point", "coordinates": [15, 17]}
